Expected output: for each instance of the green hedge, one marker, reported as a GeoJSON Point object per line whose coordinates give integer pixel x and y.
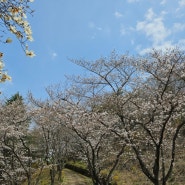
{"type": "Point", "coordinates": [78, 169]}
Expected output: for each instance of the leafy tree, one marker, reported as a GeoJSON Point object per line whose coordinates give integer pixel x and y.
{"type": "Point", "coordinates": [15, 97]}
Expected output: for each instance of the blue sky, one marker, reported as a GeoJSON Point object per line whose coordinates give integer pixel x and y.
{"type": "Point", "coordinates": [88, 29]}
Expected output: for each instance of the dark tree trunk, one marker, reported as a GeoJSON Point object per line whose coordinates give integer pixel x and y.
{"type": "Point", "coordinates": [52, 175]}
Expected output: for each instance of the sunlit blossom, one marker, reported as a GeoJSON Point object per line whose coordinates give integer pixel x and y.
{"type": "Point", "coordinates": [30, 53]}
{"type": "Point", "coordinates": [14, 18]}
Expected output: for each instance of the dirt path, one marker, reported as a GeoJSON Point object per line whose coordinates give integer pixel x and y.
{"type": "Point", "coordinates": [73, 178]}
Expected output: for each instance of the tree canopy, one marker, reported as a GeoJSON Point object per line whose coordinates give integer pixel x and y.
{"type": "Point", "coordinates": [125, 112]}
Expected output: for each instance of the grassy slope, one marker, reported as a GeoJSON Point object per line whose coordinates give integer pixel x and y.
{"type": "Point", "coordinates": [132, 176]}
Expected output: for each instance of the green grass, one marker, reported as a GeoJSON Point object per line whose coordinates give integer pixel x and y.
{"type": "Point", "coordinates": [130, 176]}
{"type": "Point", "coordinates": [69, 178]}
{"type": "Point", "coordinates": [44, 178]}
{"type": "Point", "coordinates": [79, 164]}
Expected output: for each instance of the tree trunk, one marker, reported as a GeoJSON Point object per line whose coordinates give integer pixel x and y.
{"type": "Point", "coordinates": [158, 182]}
{"type": "Point", "coordinates": [59, 171]}
{"type": "Point", "coordinates": [52, 175]}
{"type": "Point", "coordinates": [29, 180]}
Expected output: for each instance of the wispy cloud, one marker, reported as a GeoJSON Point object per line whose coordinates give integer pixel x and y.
{"type": "Point", "coordinates": [163, 2]}
{"type": "Point", "coordinates": [181, 3]}
{"type": "Point", "coordinates": [178, 27]}
{"type": "Point", "coordinates": [132, 1]}
{"type": "Point", "coordinates": [153, 27]}
{"type": "Point", "coordinates": [92, 25]}
{"type": "Point", "coordinates": [96, 30]}
{"type": "Point", "coordinates": [150, 14]}
{"type": "Point", "coordinates": [53, 54]}
{"type": "Point", "coordinates": [118, 14]}
{"type": "Point", "coordinates": [163, 46]}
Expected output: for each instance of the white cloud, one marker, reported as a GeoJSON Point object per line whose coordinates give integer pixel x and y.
{"type": "Point", "coordinates": [150, 14]}
{"type": "Point", "coordinates": [97, 30]}
{"type": "Point", "coordinates": [163, 13]}
{"type": "Point", "coordinates": [163, 2]}
{"type": "Point", "coordinates": [92, 25]}
{"type": "Point", "coordinates": [181, 3]}
{"type": "Point", "coordinates": [178, 27]}
{"type": "Point", "coordinates": [126, 30]}
{"type": "Point", "coordinates": [180, 8]}
{"type": "Point", "coordinates": [154, 28]}
{"type": "Point", "coordinates": [53, 55]}
{"type": "Point", "coordinates": [118, 14]}
{"type": "Point", "coordinates": [163, 46]}
{"type": "Point", "coordinates": [132, 1]}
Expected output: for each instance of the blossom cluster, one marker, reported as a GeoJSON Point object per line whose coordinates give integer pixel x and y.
{"type": "Point", "coordinates": [13, 19]}
{"type": "Point", "coordinates": [3, 75]}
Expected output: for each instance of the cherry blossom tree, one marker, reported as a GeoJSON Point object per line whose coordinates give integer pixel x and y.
{"type": "Point", "coordinates": [147, 96]}
{"type": "Point", "coordinates": [125, 108]}
{"type": "Point", "coordinates": [15, 150]}
{"type": "Point", "coordinates": [96, 143]}
{"type": "Point", "coordinates": [158, 114]}
{"type": "Point", "coordinates": [54, 137]}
